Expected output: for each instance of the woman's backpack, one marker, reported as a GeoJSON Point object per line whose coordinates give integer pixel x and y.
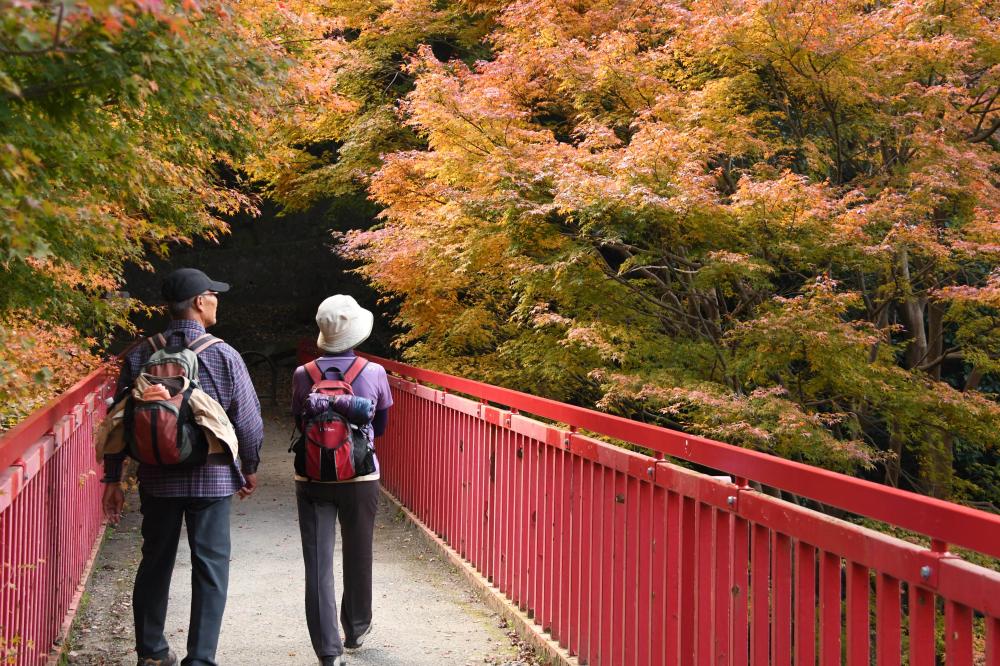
{"type": "Point", "coordinates": [331, 447]}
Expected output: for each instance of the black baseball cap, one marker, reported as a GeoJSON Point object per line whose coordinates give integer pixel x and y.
{"type": "Point", "coordinates": [185, 283]}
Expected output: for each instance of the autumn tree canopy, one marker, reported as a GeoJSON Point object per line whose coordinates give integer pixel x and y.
{"type": "Point", "coordinates": [774, 223]}
{"type": "Point", "coordinates": [121, 127]}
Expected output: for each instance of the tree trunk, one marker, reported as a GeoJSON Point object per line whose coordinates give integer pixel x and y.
{"type": "Point", "coordinates": [936, 453]}
{"type": "Point", "coordinates": [936, 467]}
{"type": "Point", "coordinates": [882, 322]}
{"type": "Point", "coordinates": [913, 313]}
{"type": "Point", "coordinates": [935, 337]}
{"type": "Point", "coordinates": [892, 467]}
{"type": "Point", "coordinates": [972, 381]}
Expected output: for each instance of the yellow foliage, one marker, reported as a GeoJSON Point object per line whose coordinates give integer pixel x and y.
{"type": "Point", "coordinates": [38, 361]}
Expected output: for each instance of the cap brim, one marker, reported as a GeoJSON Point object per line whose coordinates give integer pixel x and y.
{"type": "Point", "coordinates": [217, 286]}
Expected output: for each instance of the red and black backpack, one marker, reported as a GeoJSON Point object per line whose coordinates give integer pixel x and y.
{"type": "Point", "coordinates": [331, 448]}
{"type": "Point", "coordinates": [159, 426]}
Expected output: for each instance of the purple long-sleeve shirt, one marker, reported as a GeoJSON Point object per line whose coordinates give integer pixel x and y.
{"type": "Point", "coordinates": [223, 375]}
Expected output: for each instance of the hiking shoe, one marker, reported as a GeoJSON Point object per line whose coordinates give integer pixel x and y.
{"type": "Point", "coordinates": [339, 660]}
{"type": "Point", "coordinates": [355, 643]}
{"type": "Point", "coordinates": [169, 660]}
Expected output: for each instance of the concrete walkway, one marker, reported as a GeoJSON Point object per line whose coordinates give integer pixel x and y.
{"type": "Point", "coordinates": [424, 611]}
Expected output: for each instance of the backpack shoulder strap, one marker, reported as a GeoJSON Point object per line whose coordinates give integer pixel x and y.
{"type": "Point", "coordinates": [312, 369]}
{"type": "Point", "coordinates": [357, 366]}
{"type": "Point", "coordinates": [203, 342]}
{"type": "Point", "coordinates": [157, 342]}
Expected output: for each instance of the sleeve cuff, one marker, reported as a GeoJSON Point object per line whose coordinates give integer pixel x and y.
{"type": "Point", "coordinates": [112, 471]}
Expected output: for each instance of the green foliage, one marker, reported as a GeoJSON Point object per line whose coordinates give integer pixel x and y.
{"type": "Point", "coordinates": [121, 128]}
{"type": "Point", "coordinates": [773, 223]}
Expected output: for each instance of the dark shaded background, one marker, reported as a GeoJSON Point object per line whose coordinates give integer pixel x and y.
{"type": "Point", "coordinates": [280, 268]}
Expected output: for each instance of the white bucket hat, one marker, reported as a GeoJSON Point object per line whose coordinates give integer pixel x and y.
{"type": "Point", "coordinates": [343, 324]}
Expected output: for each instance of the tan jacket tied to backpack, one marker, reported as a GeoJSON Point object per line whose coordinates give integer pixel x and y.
{"type": "Point", "coordinates": [208, 414]}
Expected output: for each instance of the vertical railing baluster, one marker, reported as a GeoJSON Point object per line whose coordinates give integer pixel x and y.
{"type": "Point", "coordinates": [619, 566]}
{"type": "Point", "coordinates": [605, 546]}
{"type": "Point", "coordinates": [674, 547]}
{"type": "Point", "coordinates": [644, 588]}
{"type": "Point", "coordinates": [632, 556]}
{"type": "Point", "coordinates": [957, 634]}
{"type": "Point", "coordinates": [543, 615]}
{"type": "Point", "coordinates": [741, 592]}
{"type": "Point", "coordinates": [781, 601]}
{"type": "Point", "coordinates": [688, 580]}
{"type": "Point", "coordinates": [723, 597]}
{"type": "Point", "coordinates": [705, 585]}
{"type": "Point", "coordinates": [589, 576]}
{"type": "Point", "coordinates": [564, 537]}
{"type": "Point", "coordinates": [888, 634]}
{"type": "Point", "coordinates": [760, 581]}
{"type": "Point", "coordinates": [992, 641]}
{"type": "Point", "coordinates": [858, 602]}
{"type": "Point", "coordinates": [830, 620]}
{"type": "Point", "coordinates": [576, 552]}
{"type": "Point", "coordinates": [805, 604]}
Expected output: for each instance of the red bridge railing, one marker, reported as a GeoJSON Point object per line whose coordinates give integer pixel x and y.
{"type": "Point", "coordinates": [629, 559]}
{"type": "Point", "coordinates": [50, 518]}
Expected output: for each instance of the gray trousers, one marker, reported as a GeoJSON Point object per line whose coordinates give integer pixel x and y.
{"type": "Point", "coordinates": [320, 506]}
{"type": "Point", "coordinates": [208, 536]}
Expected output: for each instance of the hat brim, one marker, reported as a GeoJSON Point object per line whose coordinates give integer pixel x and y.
{"type": "Point", "coordinates": [220, 287]}
{"type": "Point", "coordinates": [352, 337]}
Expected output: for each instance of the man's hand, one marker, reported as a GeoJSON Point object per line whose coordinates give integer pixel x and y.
{"type": "Point", "coordinates": [249, 487]}
{"type": "Point", "coordinates": [113, 502]}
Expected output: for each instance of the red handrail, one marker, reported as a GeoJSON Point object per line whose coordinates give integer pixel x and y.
{"type": "Point", "coordinates": [944, 521]}
{"type": "Point", "coordinates": [17, 440]}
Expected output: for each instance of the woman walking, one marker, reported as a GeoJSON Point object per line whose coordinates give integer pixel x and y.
{"type": "Point", "coordinates": [343, 325]}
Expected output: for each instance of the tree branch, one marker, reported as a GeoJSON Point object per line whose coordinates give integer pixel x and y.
{"type": "Point", "coordinates": [986, 133]}
{"type": "Point", "coordinates": [951, 354]}
{"type": "Point", "coordinates": [56, 46]}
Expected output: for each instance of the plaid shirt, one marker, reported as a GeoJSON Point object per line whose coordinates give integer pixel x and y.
{"type": "Point", "coordinates": [223, 375]}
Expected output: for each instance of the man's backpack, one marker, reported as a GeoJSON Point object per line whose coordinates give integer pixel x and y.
{"type": "Point", "coordinates": [332, 448]}
{"type": "Point", "coordinates": [159, 424]}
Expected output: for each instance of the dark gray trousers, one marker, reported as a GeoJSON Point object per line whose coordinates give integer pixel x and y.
{"type": "Point", "coordinates": [320, 506]}
{"type": "Point", "coordinates": [208, 536]}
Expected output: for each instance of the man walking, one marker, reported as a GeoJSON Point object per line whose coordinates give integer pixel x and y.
{"type": "Point", "coordinates": [199, 496]}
